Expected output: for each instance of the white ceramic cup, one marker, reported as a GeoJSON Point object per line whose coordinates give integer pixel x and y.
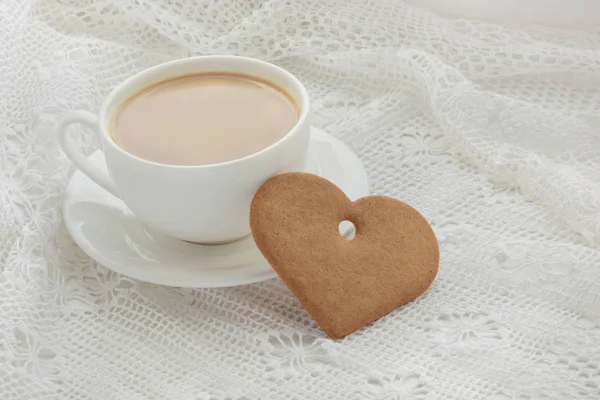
{"type": "Point", "coordinates": [206, 203]}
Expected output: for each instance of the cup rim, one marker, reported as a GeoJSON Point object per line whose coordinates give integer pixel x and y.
{"type": "Point", "coordinates": [304, 109]}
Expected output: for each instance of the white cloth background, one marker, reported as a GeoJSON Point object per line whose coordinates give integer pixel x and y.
{"type": "Point", "coordinates": [491, 130]}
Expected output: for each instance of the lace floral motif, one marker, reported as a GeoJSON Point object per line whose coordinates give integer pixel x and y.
{"type": "Point", "coordinates": [31, 356]}
{"type": "Point", "coordinates": [396, 387]}
{"type": "Point", "coordinates": [424, 145]}
{"type": "Point", "coordinates": [292, 353]}
{"type": "Point", "coordinates": [467, 329]}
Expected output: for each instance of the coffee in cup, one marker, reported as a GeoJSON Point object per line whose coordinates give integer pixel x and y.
{"type": "Point", "coordinates": [203, 119]}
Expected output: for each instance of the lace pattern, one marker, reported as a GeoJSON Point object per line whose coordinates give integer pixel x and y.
{"type": "Point", "coordinates": [491, 130]}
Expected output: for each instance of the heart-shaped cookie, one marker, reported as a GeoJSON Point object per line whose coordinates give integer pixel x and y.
{"type": "Point", "coordinates": [343, 284]}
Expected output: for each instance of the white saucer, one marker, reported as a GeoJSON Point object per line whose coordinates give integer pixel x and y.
{"type": "Point", "coordinates": [108, 232]}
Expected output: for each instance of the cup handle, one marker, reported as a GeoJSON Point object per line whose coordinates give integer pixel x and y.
{"type": "Point", "coordinates": [88, 119]}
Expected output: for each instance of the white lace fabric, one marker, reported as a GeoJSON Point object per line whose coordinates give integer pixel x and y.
{"type": "Point", "coordinates": [491, 130]}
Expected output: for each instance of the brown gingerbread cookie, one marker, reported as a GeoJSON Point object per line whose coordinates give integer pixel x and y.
{"type": "Point", "coordinates": [343, 284]}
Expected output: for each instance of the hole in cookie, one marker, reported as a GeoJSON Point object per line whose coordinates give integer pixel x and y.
{"type": "Point", "coordinates": [347, 230]}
